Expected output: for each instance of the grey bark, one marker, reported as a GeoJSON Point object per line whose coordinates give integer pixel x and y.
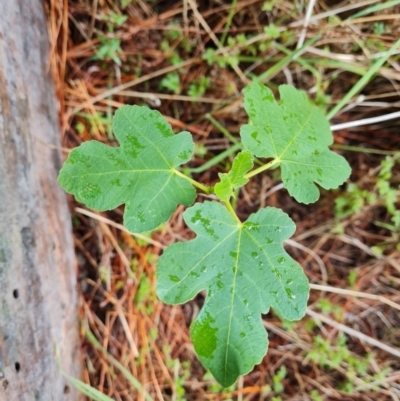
{"type": "Point", "coordinates": [38, 300]}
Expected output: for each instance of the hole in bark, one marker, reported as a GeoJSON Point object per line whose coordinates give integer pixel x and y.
{"type": "Point", "coordinates": [15, 294]}
{"type": "Point", "coordinates": [66, 390]}
{"type": "Point", "coordinates": [17, 366]}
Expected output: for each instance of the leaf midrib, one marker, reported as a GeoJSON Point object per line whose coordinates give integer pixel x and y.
{"type": "Point", "coordinates": [295, 136]}
{"type": "Point", "coordinates": [232, 302]}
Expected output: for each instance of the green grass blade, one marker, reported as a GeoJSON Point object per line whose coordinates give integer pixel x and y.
{"type": "Point", "coordinates": [228, 21]}
{"type": "Point", "coordinates": [285, 61]}
{"type": "Point", "coordinates": [217, 159]}
{"type": "Point", "coordinates": [356, 68]}
{"type": "Point", "coordinates": [89, 391]}
{"type": "Point", "coordinates": [374, 8]}
{"type": "Point", "coordinates": [222, 128]}
{"type": "Point", "coordinates": [128, 375]}
{"type": "Point", "coordinates": [364, 80]}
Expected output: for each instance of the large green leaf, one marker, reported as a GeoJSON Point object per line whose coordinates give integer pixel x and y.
{"type": "Point", "coordinates": [140, 173]}
{"type": "Point", "coordinates": [245, 271]}
{"type": "Point", "coordinates": [242, 163]}
{"type": "Point", "coordinates": [296, 135]}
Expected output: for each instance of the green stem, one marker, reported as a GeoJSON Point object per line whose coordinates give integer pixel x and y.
{"type": "Point", "coordinates": [271, 72]}
{"type": "Point", "coordinates": [204, 188]}
{"type": "Point", "coordinates": [222, 129]}
{"type": "Point", "coordinates": [262, 168]}
{"type": "Point", "coordinates": [228, 21]}
{"type": "Point", "coordinates": [135, 382]}
{"type": "Point", "coordinates": [217, 159]}
{"type": "Point", "coordinates": [238, 145]}
{"type": "Point", "coordinates": [363, 150]}
{"type": "Point", "coordinates": [232, 212]}
{"type": "Point", "coordinates": [235, 194]}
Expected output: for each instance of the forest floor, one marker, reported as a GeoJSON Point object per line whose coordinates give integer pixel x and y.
{"type": "Point", "coordinates": [191, 61]}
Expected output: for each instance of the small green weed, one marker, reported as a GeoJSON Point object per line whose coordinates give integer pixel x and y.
{"type": "Point", "coordinates": [109, 49]}
{"type": "Point", "coordinates": [384, 192]}
{"type": "Point", "coordinates": [330, 356]}
{"type": "Point", "coordinates": [125, 3]}
{"type": "Point", "coordinates": [145, 297]}
{"type": "Point", "coordinates": [96, 122]}
{"type": "Point", "coordinates": [379, 28]}
{"type": "Point", "coordinates": [327, 307]}
{"type": "Point", "coordinates": [268, 5]}
{"type": "Point", "coordinates": [212, 57]}
{"type": "Point", "coordinates": [110, 46]}
{"type": "Point", "coordinates": [387, 191]}
{"type": "Point", "coordinates": [315, 396]}
{"type": "Point", "coordinates": [352, 279]}
{"type": "Point", "coordinates": [172, 42]}
{"type": "Point", "coordinates": [197, 89]}
{"type": "Point", "coordinates": [272, 31]}
{"type": "Point", "coordinates": [214, 387]}
{"type": "Point", "coordinates": [354, 200]}
{"type": "Point", "coordinates": [277, 380]}
{"type": "Point", "coordinates": [181, 373]}
{"type": "Point", "coordinates": [172, 83]}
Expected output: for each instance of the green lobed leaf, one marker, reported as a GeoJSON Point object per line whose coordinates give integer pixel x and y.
{"type": "Point", "coordinates": [242, 163]}
{"type": "Point", "coordinates": [245, 271]}
{"type": "Point", "coordinates": [296, 135]}
{"type": "Point", "coordinates": [140, 173]}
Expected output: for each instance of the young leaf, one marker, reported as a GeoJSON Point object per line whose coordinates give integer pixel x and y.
{"type": "Point", "coordinates": [140, 173]}
{"type": "Point", "coordinates": [245, 271]}
{"type": "Point", "coordinates": [242, 163]}
{"type": "Point", "coordinates": [297, 135]}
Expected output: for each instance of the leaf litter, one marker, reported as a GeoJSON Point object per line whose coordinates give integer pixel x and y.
{"type": "Point", "coordinates": [166, 328]}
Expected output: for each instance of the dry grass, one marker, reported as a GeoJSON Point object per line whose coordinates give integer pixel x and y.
{"type": "Point", "coordinates": [117, 269]}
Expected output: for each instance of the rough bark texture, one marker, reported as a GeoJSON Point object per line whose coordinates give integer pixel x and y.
{"type": "Point", "coordinates": [38, 301]}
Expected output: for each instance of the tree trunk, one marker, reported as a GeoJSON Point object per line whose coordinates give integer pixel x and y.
{"type": "Point", "coordinates": [38, 301]}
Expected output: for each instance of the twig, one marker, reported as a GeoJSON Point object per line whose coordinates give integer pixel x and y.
{"type": "Point", "coordinates": [119, 226]}
{"type": "Point", "coordinates": [223, 50]}
{"type": "Point", "coordinates": [334, 12]}
{"type": "Point", "coordinates": [366, 121]}
{"type": "Point", "coordinates": [359, 294]}
{"type": "Point", "coordinates": [137, 81]}
{"type": "Point", "coordinates": [303, 32]}
{"type": "Point", "coordinates": [354, 333]}
{"type": "Point", "coordinates": [314, 255]}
